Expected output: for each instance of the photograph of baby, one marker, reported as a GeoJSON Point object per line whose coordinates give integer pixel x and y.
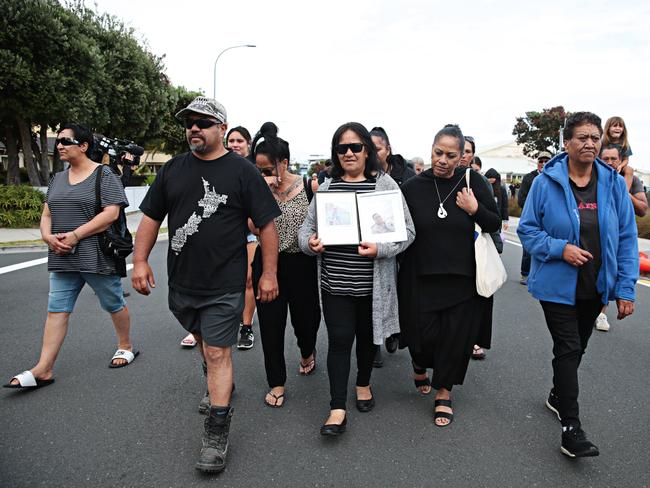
{"type": "Point", "coordinates": [337, 223]}
{"type": "Point", "coordinates": [337, 214]}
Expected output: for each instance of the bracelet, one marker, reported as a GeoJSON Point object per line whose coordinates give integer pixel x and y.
{"type": "Point", "coordinates": [76, 236]}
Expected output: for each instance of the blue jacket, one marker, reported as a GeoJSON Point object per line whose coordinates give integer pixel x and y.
{"type": "Point", "coordinates": [550, 219]}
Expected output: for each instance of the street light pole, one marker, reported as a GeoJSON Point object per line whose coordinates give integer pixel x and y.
{"type": "Point", "coordinates": [214, 83]}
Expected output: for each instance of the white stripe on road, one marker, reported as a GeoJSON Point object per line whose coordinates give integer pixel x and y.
{"type": "Point", "coordinates": [26, 264]}
{"type": "Point", "coordinates": [35, 262]}
{"type": "Point", "coordinates": [129, 267]}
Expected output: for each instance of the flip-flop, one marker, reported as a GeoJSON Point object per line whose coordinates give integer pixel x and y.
{"type": "Point", "coordinates": [26, 380]}
{"type": "Point", "coordinates": [277, 399]}
{"type": "Point", "coordinates": [478, 355]}
{"type": "Point", "coordinates": [123, 354]}
{"type": "Point", "coordinates": [310, 364]}
{"type": "Point", "coordinates": [188, 341]}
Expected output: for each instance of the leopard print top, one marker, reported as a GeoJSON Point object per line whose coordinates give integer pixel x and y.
{"type": "Point", "coordinates": [293, 215]}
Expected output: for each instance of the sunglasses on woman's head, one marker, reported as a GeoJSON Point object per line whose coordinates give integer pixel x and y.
{"type": "Point", "coordinates": [355, 147]}
{"type": "Point", "coordinates": [66, 141]}
{"type": "Point", "coordinates": [200, 123]}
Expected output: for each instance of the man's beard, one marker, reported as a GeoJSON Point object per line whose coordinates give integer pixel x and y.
{"type": "Point", "coordinates": [199, 148]}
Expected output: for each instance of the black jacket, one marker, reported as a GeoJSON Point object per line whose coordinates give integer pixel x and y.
{"type": "Point", "coordinates": [526, 183]}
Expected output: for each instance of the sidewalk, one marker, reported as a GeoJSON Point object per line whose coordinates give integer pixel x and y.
{"type": "Point", "coordinates": [30, 239]}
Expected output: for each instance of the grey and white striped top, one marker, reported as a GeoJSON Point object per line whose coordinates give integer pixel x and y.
{"type": "Point", "coordinates": [343, 270]}
{"type": "Point", "coordinates": [74, 205]}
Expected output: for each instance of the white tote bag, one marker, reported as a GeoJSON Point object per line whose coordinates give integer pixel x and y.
{"type": "Point", "coordinates": [490, 272]}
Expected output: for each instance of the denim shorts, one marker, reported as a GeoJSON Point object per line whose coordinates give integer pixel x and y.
{"type": "Point", "coordinates": [215, 318]}
{"type": "Point", "coordinates": [66, 286]}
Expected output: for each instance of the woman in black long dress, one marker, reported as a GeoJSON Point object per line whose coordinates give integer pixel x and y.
{"type": "Point", "coordinates": [441, 314]}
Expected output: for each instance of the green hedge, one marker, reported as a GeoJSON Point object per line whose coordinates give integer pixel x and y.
{"type": "Point", "coordinates": [20, 206]}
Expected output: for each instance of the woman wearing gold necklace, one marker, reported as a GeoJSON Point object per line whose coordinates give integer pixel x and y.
{"type": "Point", "coordinates": [297, 275]}
{"type": "Point", "coordinates": [440, 310]}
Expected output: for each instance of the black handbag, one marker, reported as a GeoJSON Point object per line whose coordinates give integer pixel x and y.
{"type": "Point", "coordinates": [115, 242]}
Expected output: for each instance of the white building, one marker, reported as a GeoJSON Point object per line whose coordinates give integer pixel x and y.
{"type": "Point", "coordinates": [508, 159]}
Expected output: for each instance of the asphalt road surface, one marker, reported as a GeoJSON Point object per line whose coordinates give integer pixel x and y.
{"type": "Point", "coordinates": [139, 425]}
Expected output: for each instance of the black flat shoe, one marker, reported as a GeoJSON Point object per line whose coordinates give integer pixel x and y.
{"type": "Point", "coordinates": [366, 405]}
{"type": "Point", "coordinates": [334, 429]}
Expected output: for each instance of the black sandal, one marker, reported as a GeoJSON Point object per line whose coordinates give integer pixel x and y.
{"type": "Point", "coordinates": [421, 383]}
{"type": "Point", "coordinates": [442, 415]}
{"type": "Point", "coordinates": [311, 365]}
{"type": "Point", "coordinates": [277, 399]}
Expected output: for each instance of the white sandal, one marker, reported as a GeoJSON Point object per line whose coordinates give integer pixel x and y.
{"type": "Point", "coordinates": [128, 356]}
{"type": "Point", "coordinates": [188, 341]}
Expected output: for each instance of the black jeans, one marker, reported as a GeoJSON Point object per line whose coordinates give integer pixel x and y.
{"type": "Point", "coordinates": [347, 317]}
{"type": "Point", "coordinates": [298, 285]}
{"type": "Point", "coordinates": [570, 327]}
{"type": "Point", "coordinates": [525, 263]}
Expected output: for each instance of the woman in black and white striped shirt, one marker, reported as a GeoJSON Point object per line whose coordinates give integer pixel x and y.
{"type": "Point", "coordinates": [358, 282]}
{"type": "Point", "coordinates": [70, 228]}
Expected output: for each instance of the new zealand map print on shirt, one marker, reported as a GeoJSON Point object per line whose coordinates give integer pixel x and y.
{"type": "Point", "coordinates": [210, 203]}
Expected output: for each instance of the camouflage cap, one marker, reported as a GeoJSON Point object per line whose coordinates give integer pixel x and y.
{"type": "Point", "coordinates": [204, 106]}
{"type": "Point", "coordinates": [544, 155]}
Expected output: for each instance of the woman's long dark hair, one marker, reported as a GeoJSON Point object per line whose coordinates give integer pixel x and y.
{"type": "Point", "coordinates": [273, 147]}
{"type": "Point", "coordinates": [373, 167]}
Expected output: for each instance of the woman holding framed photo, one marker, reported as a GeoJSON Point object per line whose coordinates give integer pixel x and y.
{"type": "Point", "coordinates": [441, 312]}
{"type": "Point", "coordinates": [357, 281]}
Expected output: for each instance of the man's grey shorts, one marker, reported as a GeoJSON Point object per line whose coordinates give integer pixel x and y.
{"type": "Point", "coordinates": [215, 317]}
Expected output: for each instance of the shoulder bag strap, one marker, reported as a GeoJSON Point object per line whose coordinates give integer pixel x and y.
{"type": "Point", "coordinates": [98, 190]}
{"type": "Point", "coordinates": [308, 190]}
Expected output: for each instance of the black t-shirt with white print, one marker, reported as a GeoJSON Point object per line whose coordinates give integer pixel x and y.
{"type": "Point", "coordinates": [208, 204]}
{"type": "Point", "coordinates": [587, 202]}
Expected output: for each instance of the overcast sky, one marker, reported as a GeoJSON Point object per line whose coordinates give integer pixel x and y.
{"type": "Point", "coordinates": [408, 66]}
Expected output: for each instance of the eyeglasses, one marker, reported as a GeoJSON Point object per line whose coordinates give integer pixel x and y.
{"type": "Point", "coordinates": [66, 141]}
{"type": "Point", "coordinates": [268, 171]}
{"type": "Point", "coordinates": [200, 123]}
{"type": "Point", "coordinates": [355, 147]}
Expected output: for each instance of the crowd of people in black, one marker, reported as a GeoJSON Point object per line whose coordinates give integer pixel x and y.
{"type": "Point", "coordinates": [243, 233]}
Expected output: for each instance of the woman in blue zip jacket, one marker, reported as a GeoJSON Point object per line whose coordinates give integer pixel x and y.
{"type": "Point", "coordinates": [578, 225]}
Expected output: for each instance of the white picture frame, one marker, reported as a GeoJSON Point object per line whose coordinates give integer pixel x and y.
{"type": "Point", "coordinates": [381, 216]}
{"type": "Point", "coordinates": [337, 221]}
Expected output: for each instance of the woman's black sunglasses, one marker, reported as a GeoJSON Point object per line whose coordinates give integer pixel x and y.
{"type": "Point", "coordinates": [355, 147]}
{"type": "Point", "coordinates": [200, 123]}
{"type": "Point", "coordinates": [66, 141]}
{"type": "Point", "coordinates": [268, 171]}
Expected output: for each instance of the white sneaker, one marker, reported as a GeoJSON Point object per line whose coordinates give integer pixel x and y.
{"type": "Point", "coordinates": [601, 322]}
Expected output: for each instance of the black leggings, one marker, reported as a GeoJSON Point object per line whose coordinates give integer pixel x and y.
{"type": "Point", "coordinates": [347, 317]}
{"type": "Point", "coordinates": [570, 327]}
{"type": "Point", "coordinates": [298, 285]}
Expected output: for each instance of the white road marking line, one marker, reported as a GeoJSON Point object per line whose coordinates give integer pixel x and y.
{"type": "Point", "coordinates": [26, 264]}
{"type": "Point", "coordinates": [644, 283]}
{"type": "Point", "coordinates": [35, 262]}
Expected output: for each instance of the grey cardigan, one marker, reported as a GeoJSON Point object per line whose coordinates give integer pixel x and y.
{"type": "Point", "coordinates": [385, 316]}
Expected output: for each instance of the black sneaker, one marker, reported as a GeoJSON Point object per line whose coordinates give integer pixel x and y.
{"type": "Point", "coordinates": [391, 343]}
{"type": "Point", "coordinates": [378, 362]}
{"type": "Point", "coordinates": [246, 337]}
{"type": "Point", "coordinates": [553, 404]}
{"type": "Point", "coordinates": [575, 444]}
